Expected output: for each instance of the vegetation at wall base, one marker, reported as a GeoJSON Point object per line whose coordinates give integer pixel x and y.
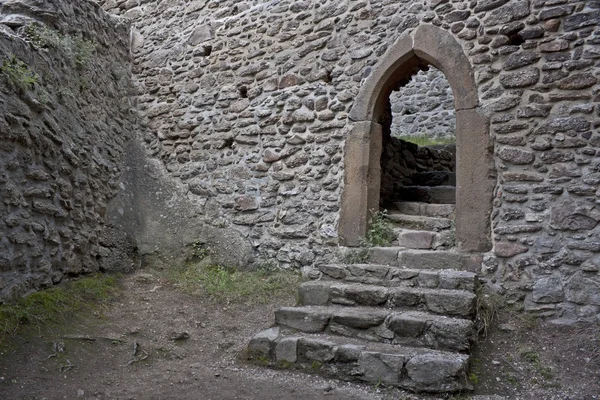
{"type": "Point", "coordinates": [57, 304]}
{"type": "Point", "coordinates": [229, 285]}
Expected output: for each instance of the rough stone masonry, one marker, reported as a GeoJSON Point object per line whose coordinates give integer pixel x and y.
{"type": "Point", "coordinates": [244, 106]}
{"type": "Point", "coordinates": [64, 125]}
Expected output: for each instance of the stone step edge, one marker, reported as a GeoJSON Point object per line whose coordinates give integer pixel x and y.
{"type": "Point", "coordinates": [423, 239]}
{"type": "Point", "coordinates": [420, 370]}
{"type": "Point", "coordinates": [439, 210]}
{"type": "Point", "coordinates": [393, 276]}
{"type": "Point", "coordinates": [407, 328]}
{"type": "Point", "coordinates": [420, 222]}
{"type": "Point", "coordinates": [414, 258]}
{"type": "Point", "coordinates": [439, 301]}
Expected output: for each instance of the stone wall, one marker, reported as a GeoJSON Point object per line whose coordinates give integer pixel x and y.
{"type": "Point", "coordinates": [64, 123]}
{"type": "Point", "coordinates": [424, 107]}
{"type": "Point", "coordinates": [246, 103]}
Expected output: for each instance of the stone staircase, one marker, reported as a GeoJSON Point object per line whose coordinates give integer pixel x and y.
{"type": "Point", "coordinates": [408, 324]}
{"type": "Point", "coordinates": [405, 318]}
{"type": "Point", "coordinates": [424, 219]}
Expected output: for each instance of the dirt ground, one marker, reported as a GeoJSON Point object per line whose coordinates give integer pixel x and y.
{"type": "Point", "coordinates": [156, 342]}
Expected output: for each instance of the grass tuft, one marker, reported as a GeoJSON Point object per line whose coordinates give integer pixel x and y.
{"type": "Point", "coordinates": [488, 305]}
{"type": "Point", "coordinates": [57, 304]}
{"type": "Point", "coordinates": [229, 285]}
{"type": "Point", "coordinates": [425, 140]}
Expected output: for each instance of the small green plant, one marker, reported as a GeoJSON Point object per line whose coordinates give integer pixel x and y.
{"type": "Point", "coordinates": [510, 378]}
{"type": "Point", "coordinates": [378, 385]}
{"type": "Point", "coordinates": [262, 361]}
{"type": "Point", "coordinates": [316, 365]}
{"type": "Point", "coordinates": [79, 50]}
{"type": "Point", "coordinates": [283, 364]}
{"type": "Point", "coordinates": [356, 256]}
{"type": "Point", "coordinates": [473, 378]}
{"type": "Point", "coordinates": [533, 358]}
{"type": "Point", "coordinates": [42, 37]}
{"type": "Point", "coordinates": [380, 231]}
{"type": "Point", "coordinates": [82, 51]}
{"type": "Point", "coordinates": [64, 93]}
{"type": "Point", "coordinates": [488, 305]}
{"type": "Point", "coordinates": [199, 250]}
{"type": "Point", "coordinates": [54, 304]}
{"type": "Point", "coordinates": [18, 74]}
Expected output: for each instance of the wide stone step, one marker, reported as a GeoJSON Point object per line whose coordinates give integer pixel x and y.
{"type": "Point", "coordinates": [425, 209]}
{"type": "Point", "coordinates": [419, 222]}
{"type": "Point", "coordinates": [434, 178]}
{"type": "Point", "coordinates": [385, 275]}
{"type": "Point", "coordinates": [428, 194]}
{"type": "Point", "coordinates": [438, 301]}
{"type": "Point", "coordinates": [439, 260]}
{"type": "Point", "coordinates": [414, 258]}
{"type": "Point", "coordinates": [408, 328]}
{"type": "Point", "coordinates": [416, 369]}
{"type": "Point", "coordinates": [425, 240]}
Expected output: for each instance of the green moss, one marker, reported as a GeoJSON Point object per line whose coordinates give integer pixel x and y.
{"type": "Point", "coordinates": [284, 364]}
{"type": "Point", "coordinates": [58, 303]}
{"type": "Point", "coordinates": [262, 361]}
{"type": "Point", "coordinates": [316, 365]}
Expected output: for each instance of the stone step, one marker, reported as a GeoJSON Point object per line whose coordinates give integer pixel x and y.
{"type": "Point", "coordinates": [419, 222]}
{"type": "Point", "coordinates": [414, 258]}
{"type": "Point", "coordinates": [425, 209]}
{"type": "Point", "coordinates": [416, 369]}
{"type": "Point", "coordinates": [439, 301]}
{"type": "Point", "coordinates": [407, 328]}
{"type": "Point", "coordinates": [385, 275]}
{"type": "Point", "coordinates": [424, 259]}
{"type": "Point", "coordinates": [425, 240]}
{"type": "Point", "coordinates": [434, 178]}
{"type": "Point", "coordinates": [428, 194]}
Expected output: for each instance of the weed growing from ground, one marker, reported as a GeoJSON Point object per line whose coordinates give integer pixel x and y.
{"type": "Point", "coordinates": [534, 359]}
{"type": "Point", "coordinates": [57, 303]}
{"type": "Point", "coordinates": [488, 305]}
{"type": "Point", "coordinates": [18, 74]}
{"type": "Point", "coordinates": [380, 231]}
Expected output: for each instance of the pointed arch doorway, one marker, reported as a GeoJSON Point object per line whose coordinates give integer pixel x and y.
{"type": "Point", "coordinates": [475, 177]}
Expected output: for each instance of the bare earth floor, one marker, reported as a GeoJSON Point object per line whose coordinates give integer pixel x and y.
{"type": "Point", "coordinates": [157, 342]}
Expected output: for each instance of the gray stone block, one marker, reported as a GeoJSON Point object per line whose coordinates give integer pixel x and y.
{"type": "Point", "coordinates": [303, 319]}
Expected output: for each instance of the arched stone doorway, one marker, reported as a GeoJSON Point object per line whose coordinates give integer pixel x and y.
{"type": "Point", "coordinates": [427, 45]}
